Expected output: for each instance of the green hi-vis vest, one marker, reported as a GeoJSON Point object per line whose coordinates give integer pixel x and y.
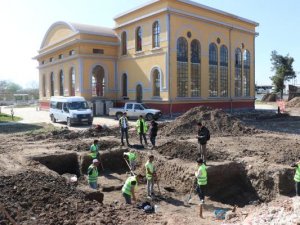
{"type": "Point", "coordinates": [92, 178]}
{"type": "Point", "coordinates": [150, 166]}
{"type": "Point", "coordinates": [127, 186]}
{"type": "Point", "coordinates": [297, 175]}
{"type": "Point", "coordinates": [94, 151]}
{"type": "Point", "coordinates": [131, 156]}
{"type": "Point", "coordinates": [138, 125]}
{"type": "Point", "coordinates": [202, 180]}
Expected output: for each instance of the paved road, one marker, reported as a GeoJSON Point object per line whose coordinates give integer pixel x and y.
{"type": "Point", "coordinates": [31, 115]}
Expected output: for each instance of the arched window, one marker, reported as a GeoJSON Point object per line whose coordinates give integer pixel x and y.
{"type": "Point", "coordinates": [51, 84]}
{"type": "Point", "coordinates": [156, 83]}
{"type": "Point", "coordinates": [44, 85]}
{"type": "Point", "coordinates": [124, 43]}
{"type": "Point", "coordinates": [238, 73]}
{"type": "Point", "coordinates": [124, 85]}
{"type": "Point", "coordinates": [155, 35]}
{"type": "Point", "coordinates": [182, 67]}
{"type": "Point", "coordinates": [72, 80]}
{"type": "Point", "coordinates": [98, 81]}
{"type": "Point", "coordinates": [224, 71]}
{"type": "Point", "coordinates": [138, 39]}
{"type": "Point", "coordinates": [195, 68]}
{"type": "Point", "coordinates": [61, 83]}
{"type": "Point", "coordinates": [213, 70]}
{"type": "Point", "coordinates": [246, 70]}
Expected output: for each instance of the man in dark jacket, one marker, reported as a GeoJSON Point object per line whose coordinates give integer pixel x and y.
{"type": "Point", "coordinates": [153, 132]}
{"type": "Point", "coordinates": [203, 137]}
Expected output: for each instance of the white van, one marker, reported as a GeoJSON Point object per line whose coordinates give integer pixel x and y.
{"type": "Point", "coordinates": [71, 110]}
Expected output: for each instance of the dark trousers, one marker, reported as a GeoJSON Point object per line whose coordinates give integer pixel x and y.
{"type": "Point", "coordinates": [143, 135]}
{"type": "Point", "coordinates": [127, 198]}
{"type": "Point", "coordinates": [297, 188]}
{"type": "Point", "coordinates": [124, 131]}
{"type": "Point", "coordinates": [152, 139]}
{"type": "Point", "coordinates": [200, 190]}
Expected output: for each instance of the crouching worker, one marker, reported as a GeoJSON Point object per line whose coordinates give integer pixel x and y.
{"type": "Point", "coordinates": [93, 174]}
{"type": "Point", "coordinates": [131, 158]}
{"type": "Point", "coordinates": [128, 190]}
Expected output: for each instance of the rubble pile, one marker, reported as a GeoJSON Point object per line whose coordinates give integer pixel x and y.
{"type": "Point", "coordinates": [293, 103]}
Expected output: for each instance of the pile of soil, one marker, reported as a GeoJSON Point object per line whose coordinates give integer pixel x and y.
{"type": "Point", "coordinates": [65, 133]}
{"type": "Point", "coordinates": [216, 120]}
{"type": "Point", "coordinates": [189, 151]}
{"type": "Point", "coordinates": [270, 97]}
{"type": "Point", "coordinates": [293, 103]}
{"type": "Point", "coordinates": [37, 198]}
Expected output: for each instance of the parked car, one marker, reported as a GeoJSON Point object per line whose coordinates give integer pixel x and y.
{"type": "Point", "coordinates": [71, 110]}
{"type": "Point", "coordinates": [134, 110]}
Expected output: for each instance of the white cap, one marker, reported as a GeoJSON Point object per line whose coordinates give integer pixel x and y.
{"type": "Point", "coordinates": [95, 160]}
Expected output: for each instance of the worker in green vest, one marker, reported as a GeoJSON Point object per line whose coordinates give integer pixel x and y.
{"type": "Point", "coordinates": [142, 128]}
{"type": "Point", "coordinates": [132, 156]}
{"type": "Point", "coordinates": [128, 190]}
{"type": "Point", "coordinates": [150, 175]}
{"type": "Point", "coordinates": [93, 174]}
{"type": "Point", "coordinates": [201, 175]}
{"type": "Point", "coordinates": [94, 149]}
{"type": "Point", "coordinates": [297, 177]}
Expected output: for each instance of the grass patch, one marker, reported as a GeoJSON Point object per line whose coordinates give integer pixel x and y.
{"type": "Point", "coordinates": [4, 118]}
{"type": "Point", "coordinates": [44, 129]}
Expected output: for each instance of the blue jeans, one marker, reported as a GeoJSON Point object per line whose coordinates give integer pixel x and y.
{"type": "Point", "coordinates": [127, 198]}
{"type": "Point", "coordinates": [152, 139]}
{"type": "Point", "coordinates": [93, 185]}
{"type": "Point", "coordinates": [200, 191]}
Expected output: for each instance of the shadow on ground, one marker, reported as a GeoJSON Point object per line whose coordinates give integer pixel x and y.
{"type": "Point", "coordinates": [12, 127]}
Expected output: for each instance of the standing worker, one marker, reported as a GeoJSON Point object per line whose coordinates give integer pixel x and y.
{"type": "Point", "coordinates": [142, 128]}
{"type": "Point", "coordinates": [131, 158]}
{"type": "Point", "coordinates": [297, 177]}
{"type": "Point", "coordinates": [93, 174]}
{"type": "Point", "coordinates": [153, 133]}
{"type": "Point", "coordinates": [123, 124]}
{"type": "Point", "coordinates": [150, 175]}
{"type": "Point", "coordinates": [94, 149]}
{"type": "Point", "coordinates": [12, 113]}
{"type": "Point", "coordinates": [201, 175]}
{"type": "Point", "coordinates": [203, 137]}
{"type": "Point", "coordinates": [129, 187]}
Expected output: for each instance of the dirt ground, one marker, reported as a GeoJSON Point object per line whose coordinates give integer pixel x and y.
{"type": "Point", "coordinates": [249, 157]}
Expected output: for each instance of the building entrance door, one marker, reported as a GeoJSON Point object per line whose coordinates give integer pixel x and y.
{"type": "Point", "coordinates": [139, 93]}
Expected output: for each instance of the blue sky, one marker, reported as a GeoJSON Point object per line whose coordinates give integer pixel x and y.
{"type": "Point", "coordinates": [24, 23]}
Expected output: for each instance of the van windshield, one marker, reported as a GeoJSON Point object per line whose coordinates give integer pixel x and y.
{"type": "Point", "coordinates": [78, 105]}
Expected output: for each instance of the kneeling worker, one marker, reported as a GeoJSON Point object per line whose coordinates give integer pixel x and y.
{"type": "Point", "coordinates": [93, 174]}
{"type": "Point", "coordinates": [129, 187]}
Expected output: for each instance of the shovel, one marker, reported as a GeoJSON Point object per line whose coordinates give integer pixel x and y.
{"type": "Point", "coordinates": [189, 197]}
{"type": "Point", "coordinates": [129, 167]}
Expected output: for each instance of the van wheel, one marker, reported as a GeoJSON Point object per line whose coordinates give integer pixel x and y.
{"type": "Point", "coordinates": [149, 116]}
{"type": "Point", "coordinates": [69, 124]}
{"type": "Point", "coordinates": [119, 115]}
{"type": "Point", "coordinates": [53, 118]}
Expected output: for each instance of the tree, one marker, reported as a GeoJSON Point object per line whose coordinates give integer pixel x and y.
{"type": "Point", "coordinates": [283, 67]}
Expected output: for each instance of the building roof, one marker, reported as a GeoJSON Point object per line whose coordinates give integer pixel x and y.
{"type": "Point", "coordinates": [193, 4]}
{"type": "Point", "coordinates": [79, 29]}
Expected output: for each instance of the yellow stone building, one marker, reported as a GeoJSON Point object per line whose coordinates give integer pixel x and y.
{"type": "Point", "coordinates": [171, 54]}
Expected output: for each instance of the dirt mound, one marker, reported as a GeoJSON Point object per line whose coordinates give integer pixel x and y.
{"type": "Point", "coordinates": [65, 133]}
{"type": "Point", "coordinates": [293, 103]}
{"type": "Point", "coordinates": [270, 97]}
{"type": "Point", "coordinates": [216, 120]}
{"type": "Point", "coordinates": [43, 199]}
{"type": "Point", "coordinates": [188, 151]}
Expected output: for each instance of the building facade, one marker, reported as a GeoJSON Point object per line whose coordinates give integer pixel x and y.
{"type": "Point", "coordinates": [170, 54]}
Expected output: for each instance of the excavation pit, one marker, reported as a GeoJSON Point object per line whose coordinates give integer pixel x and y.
{"type": "Point", "coordinates": [61, 163]}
